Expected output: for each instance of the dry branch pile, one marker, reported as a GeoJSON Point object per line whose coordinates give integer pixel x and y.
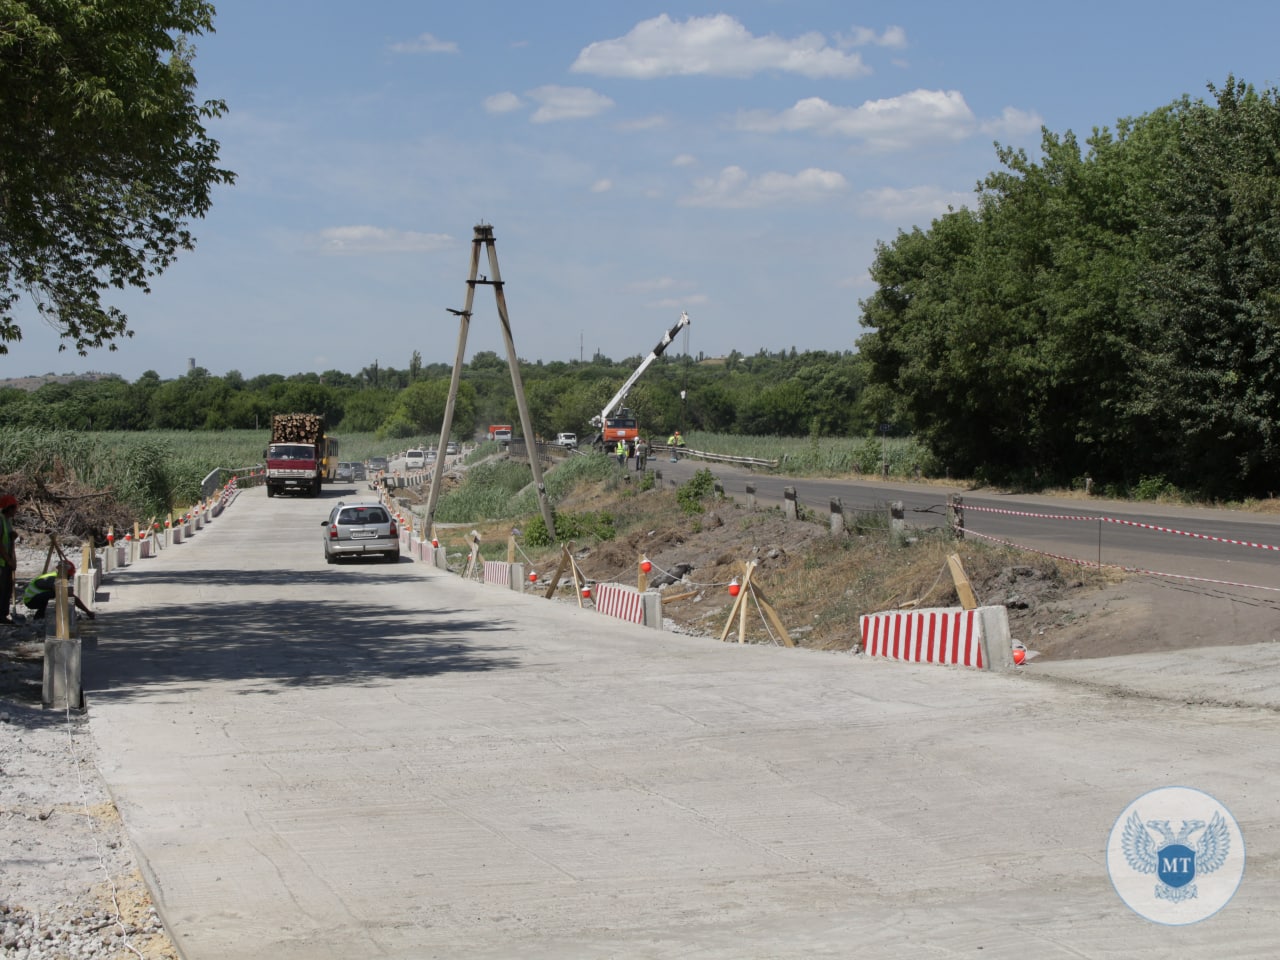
{"type": "Point", "coordinates": [61, 506]}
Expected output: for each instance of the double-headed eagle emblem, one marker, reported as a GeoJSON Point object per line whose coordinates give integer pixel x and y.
{"type": "Point", "coordinates": [1173, 858]}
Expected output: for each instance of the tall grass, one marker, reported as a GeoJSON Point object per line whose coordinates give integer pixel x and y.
{"type": "Point", "coordinates": [151, 472]}
{"type": "Point", "coordinates": [502, 490]}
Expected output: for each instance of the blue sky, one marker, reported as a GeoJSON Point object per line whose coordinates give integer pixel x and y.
{"type": "Point", "coordinates": [737, 161]}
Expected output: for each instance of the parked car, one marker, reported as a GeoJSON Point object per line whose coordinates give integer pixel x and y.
{"type": "Point", "coordinates": [568, 440]}
{"type": "Point", "coordinates": [378, 465]}
{"type": "Point", "coordinates": [414, 460]}
{"type": "Point", "coordinates": [345, 471]}
{"type": "Point", "coordinates": [360, 529]}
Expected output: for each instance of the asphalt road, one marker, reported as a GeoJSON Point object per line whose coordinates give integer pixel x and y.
{"type": "Point", "coordinates": [1027, 521]}
{"type": "Point", "coordinates": [386, 761]}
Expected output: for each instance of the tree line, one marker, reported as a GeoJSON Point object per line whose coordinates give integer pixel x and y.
{"type": "Point", "coordinates": [785, 393]}
{"type": "Point", "coordinates": [1111, 311]}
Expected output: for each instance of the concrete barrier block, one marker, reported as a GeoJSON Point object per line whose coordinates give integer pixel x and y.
{"type": "Point", "coordinates": [997, 639]}
{"type": "Point", "coordinates": [86, 588]}
{"type": "Point", "coordinates": [651, 605]}
{"type": "Point", "coordinates": [62, 688]}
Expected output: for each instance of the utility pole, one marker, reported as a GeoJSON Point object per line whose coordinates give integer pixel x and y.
{"type": "Point", "coordinates": [484, 236]}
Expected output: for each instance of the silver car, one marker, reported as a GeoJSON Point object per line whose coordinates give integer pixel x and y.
{"type": "Point", "coordinates": [361, 529]}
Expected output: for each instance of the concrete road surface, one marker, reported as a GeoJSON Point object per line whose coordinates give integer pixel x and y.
{"type": "Point", "coordinates": [381, 760]}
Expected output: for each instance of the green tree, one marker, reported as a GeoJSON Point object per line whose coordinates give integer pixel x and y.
{"type": "Point", "coordinates": [104, 158]}
{"type": "Point", "coordinates": [421, 405]}
{"type": "Point", "coordinates": [366, 410]}
{"type": "Point", "coordinates": [1209, 313]}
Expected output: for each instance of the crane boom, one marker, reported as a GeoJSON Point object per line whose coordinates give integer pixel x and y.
{"type": "Point", "coordinates": [654, 354]}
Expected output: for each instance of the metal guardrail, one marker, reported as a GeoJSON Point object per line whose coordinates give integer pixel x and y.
{"type": "Point", "coordinates": [519, 449]}
{"type": "Point", "coordinates": [218, 477]}
{"type": "Point", "coordinates": [717, 457]}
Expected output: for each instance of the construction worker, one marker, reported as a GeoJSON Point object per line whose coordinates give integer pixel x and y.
{"type": "Point", "coordinates": [675, 442]}
{"type": "Point", "coordinates": [642, 453]}
{"type": "Point", "coordinates": [8, 556]}
{"type": "Point", "coordinates": [41, 590]}
{"type": "Point", "coordinates": [620, 451]}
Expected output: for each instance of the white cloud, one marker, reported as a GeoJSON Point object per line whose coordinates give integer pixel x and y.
{"type": "Point", "coordinates": [603, 185]}
{"type": "Point", "coordinates": [425, 43]}
{"type": "Point", "coordinates": [503, 102]}
{"type": "Point", "coordinates": [1013, 122]}
{"type": "Point", "coordinates": [896, 123]}
{"type": "Point", "coordinates": [913, 205]}
{"type": "Point", "coordinates": [355, 240]}
{"type": "Point", "coordinates": [567, 103]}
{"type": "Point", "coordinates": [734, 188]}
{"type": "Point", "coordinates": [714, 46]}
{"type": "Point", "coordinates": [893, 37]}
{"type": "Point", "coordinates": [684, 160]}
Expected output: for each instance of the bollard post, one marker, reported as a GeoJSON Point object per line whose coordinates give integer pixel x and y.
{"type": "Point", "coordinates": [837, 517]}
{"type": "Point", "coordinates": [897, 521]}
{"type": "Point", "coordinates": [751, 496]}
{"type": "Point", "coordinates": [516, 572]}
{"type": "Point", "coordinates": [791, 508]}
{"type": "Point", "coordinates": [955, 515]}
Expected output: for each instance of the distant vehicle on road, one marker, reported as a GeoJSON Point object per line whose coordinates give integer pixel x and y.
{"type": "Point", "coordinates": [378, 464]}
{"type": "Point", "coordinates": [360, 529]}
{"type": "Point", "coordinates": [415, 459]}
{"type": "Point", "coordinates": [451, 449]}
{"type": "Point", "coordinates": [358, 472]}
{"type": "Point", "coordinates": [567, 440]}
{"type": "Point", "coordinates": [345, 471]}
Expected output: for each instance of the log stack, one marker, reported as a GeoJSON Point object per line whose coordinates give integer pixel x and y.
{"type": "Point", "coordinates": [297, 428]}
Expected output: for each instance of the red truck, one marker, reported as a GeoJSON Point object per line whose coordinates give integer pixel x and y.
{"type": "Point", "coordinates": [301, 456]}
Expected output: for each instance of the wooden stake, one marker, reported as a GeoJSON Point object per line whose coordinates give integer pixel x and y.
{"type": "Point", "coordinates": [963, 587]}
{"type": "Point", "coordinates": [565, 561]}
{"type": "Point", "coordinates": [749, 590]}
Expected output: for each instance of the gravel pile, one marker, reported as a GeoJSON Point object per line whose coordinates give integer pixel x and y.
{"type": "Point", "coordinates": [70, 887]}
{"type": "Point", "coordinates": [70, 932]}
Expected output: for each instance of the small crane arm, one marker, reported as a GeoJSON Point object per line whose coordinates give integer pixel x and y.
{"type": "Point", "coordinates": [654, 354]}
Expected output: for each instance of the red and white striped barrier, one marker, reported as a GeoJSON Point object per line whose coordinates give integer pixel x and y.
{"type": "Point", "coordinates": [619, 600]}
{"type": "Point", "coordinates": [970, 638]}
{"type": "Point", "coordinates": [497, 572]}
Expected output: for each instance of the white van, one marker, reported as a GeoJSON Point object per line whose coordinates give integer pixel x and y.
{"type": "Point", "coordinates": [415, 460]}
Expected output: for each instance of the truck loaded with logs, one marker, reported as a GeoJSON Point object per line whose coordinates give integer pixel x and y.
{"type": "Point", "coordinates": [301, 456]}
